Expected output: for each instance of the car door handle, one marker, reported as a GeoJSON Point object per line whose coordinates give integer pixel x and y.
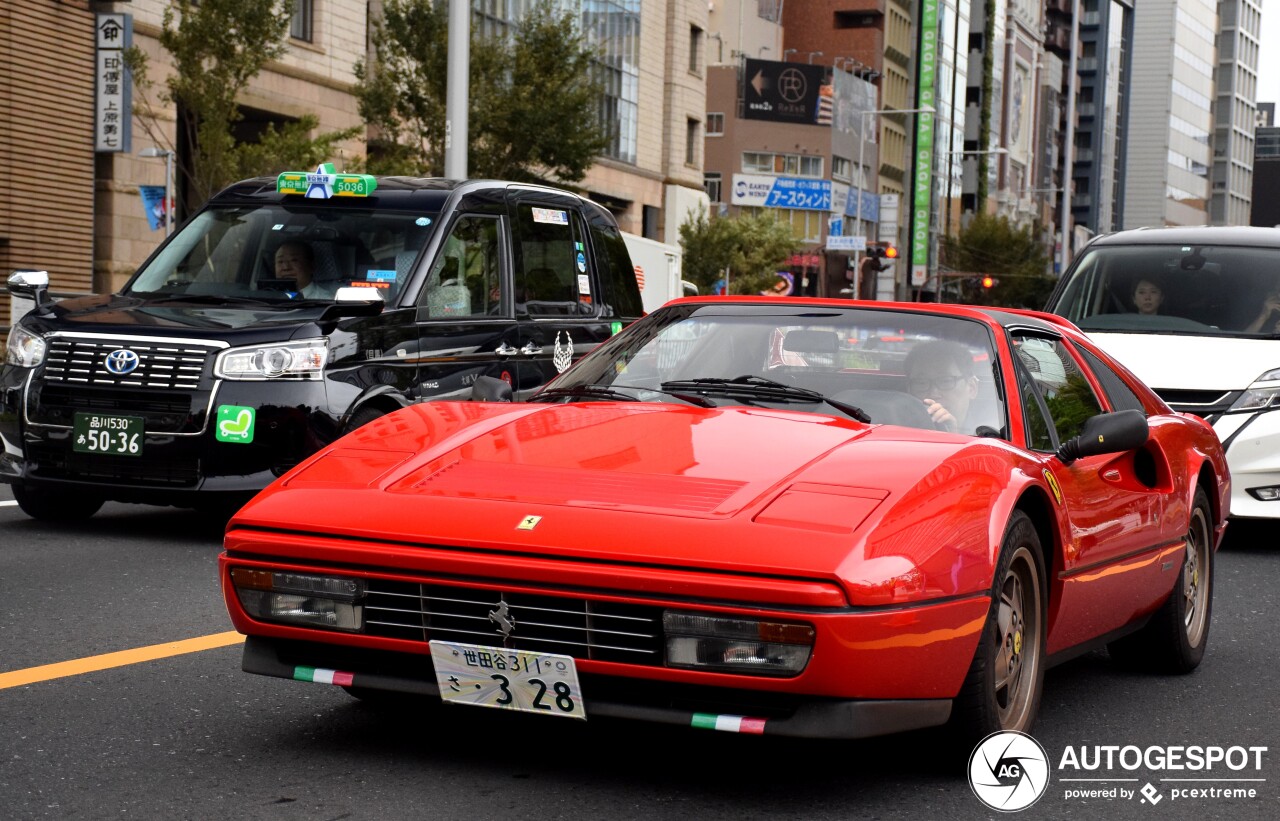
{"type": "Point", "coordinates": [530, 349]}
{"type": "Point", "coordinates": [506, 350]}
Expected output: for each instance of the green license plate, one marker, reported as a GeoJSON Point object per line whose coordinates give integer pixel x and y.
{"type": "Point", "coordinates": [105, 433]}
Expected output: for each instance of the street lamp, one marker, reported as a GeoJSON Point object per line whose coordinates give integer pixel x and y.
{"type": "Point", "coordinates": [813, 54]}
{"type": "Point", "coordinates": [168, 183]}
{"type": "Point", "coordinates": [761, 52]}
{"type": "Point", "coordinates": [786, 52]}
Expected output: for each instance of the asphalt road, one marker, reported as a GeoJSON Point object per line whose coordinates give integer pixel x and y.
{"type": "Point", "coordinates": [190, 736]}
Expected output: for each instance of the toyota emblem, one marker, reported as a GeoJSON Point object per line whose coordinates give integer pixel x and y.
{"type": "Point", "coordinates": [121, 362]}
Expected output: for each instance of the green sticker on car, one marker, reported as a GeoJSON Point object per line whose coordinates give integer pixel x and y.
{"type": "Point", "coordinates": [235, 424]}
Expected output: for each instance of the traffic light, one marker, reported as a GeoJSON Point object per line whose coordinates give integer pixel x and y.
{"type": "Point", "coordinates": [887, 254]}
{"type": "Point", "coordinates": [989, 281]}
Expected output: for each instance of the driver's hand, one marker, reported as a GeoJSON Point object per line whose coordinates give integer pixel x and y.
{"type": "Point", "coordinates": [942, 418]}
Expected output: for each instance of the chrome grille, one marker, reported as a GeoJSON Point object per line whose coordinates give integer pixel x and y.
{"type": "Point", "coordinates": [578, 627]}
{"type": "Point", "coordinates": [165, 366]}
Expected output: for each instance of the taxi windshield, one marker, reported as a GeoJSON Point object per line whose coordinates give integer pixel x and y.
{"type": "Point", "coordinates": [283, 252]}
{"type": "Point", "coordinates": [1197, 290]}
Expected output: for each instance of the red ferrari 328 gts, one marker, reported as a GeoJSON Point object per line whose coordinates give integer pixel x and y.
{"type": "Point", "coordinates": [752, 515]}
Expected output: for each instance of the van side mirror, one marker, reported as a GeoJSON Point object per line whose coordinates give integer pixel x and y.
{"type": "Point", "coordinates": [33, 285]}
{"type": "Point", "coordinates": [1107, 433]}
{"type": "Point", "coordinates": [491, 389]}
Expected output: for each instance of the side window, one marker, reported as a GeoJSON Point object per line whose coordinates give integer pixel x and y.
{"type": "Point", "coordinates": [1057, 377]}
{"type": "Point", "coordinates": [1038, 435]}
{"type": "Point", "coordinates": [617, 273]}
{"type": "Point", "coordinates": [466, 277]}
{"type": "Point", "coordinates": [553, 276]}
{"type": "Point", "coordinates": [1121, 395]}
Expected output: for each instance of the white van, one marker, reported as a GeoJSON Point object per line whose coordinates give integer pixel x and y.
{"type": "Point", "coordinates": [1195, 313]}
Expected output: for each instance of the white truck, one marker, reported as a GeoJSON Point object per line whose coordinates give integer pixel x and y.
{"type": "Point", "coordinates": [658, 267]}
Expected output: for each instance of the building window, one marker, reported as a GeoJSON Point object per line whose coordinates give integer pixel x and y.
{"type": "Point", "coordinates": [614, 27]}
{"type": "Point", "coordinates": [715, 124]}
{"type": "Point", "coordinates": [841, 168]}
{"type": "Point", "coordinates": [691, 142]}
{"type": "Point", "coordinates": [695, 50]}
{"type": "Point", "coordinates": [711, 182]}
{"type": "Point", "coordinates": [301, 25]}
{"type": "Point", "coordinates": [793, 165]}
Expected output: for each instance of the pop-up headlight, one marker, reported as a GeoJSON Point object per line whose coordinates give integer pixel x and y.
{"type": "Point", "coordinates": [331, 602]}
{"type": "Point", "coordinates": [732, 645]}
{"type": "Point", "coordinates": [290, 360]}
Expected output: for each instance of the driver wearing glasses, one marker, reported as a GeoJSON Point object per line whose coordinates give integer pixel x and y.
{"type": "Point", "coordinates": [940, 374]}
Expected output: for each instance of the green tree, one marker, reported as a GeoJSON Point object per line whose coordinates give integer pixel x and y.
{"type": "Point", "coordinates": [217, 47]}
{"type": "Point", "coordinates": [1014, 255]}
{"type": "Point", "coordinates": [533, 97]}
{"type": "Point", "coordinates": [749, 247]}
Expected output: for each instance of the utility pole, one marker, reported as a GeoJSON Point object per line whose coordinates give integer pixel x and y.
{"type": "Point", "coordinates": [457, 90]}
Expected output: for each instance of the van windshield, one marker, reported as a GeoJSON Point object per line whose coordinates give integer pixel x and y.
{"type": "Point", "coordinates": [286, 252]}
{"type": "Point", "coordinates": [1198, 290]}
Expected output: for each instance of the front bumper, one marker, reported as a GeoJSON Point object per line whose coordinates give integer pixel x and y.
{"type": "Point", "coordinates": [608, 697]}
{"type": "Point", "coordinates": [1252, 442]}
{"type": "Point", "coordinates": [182, 460]}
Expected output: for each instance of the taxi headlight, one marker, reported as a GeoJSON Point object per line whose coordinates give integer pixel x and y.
{"type": "Point", "coordinates": [289, 360]}
{"type": "Point", "coordinates": [25, 349]}
{"type": "Point", "coordinates": [331, 602]}
{"type": "Point", "coordinates": [730, 645]}
{"type": "Point", "coordinates": [1264, 393]}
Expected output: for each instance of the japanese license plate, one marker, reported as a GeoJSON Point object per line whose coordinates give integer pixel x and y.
{"type": "Point", "coordinates": [541, 683]}
{"type": "Point", "coordinates": [104, 433]}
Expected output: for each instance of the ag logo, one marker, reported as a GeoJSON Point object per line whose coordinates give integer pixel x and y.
{"type": "Point", "coordinates": [1009, 771]}
{"type": "Point", "coordinates": [235, 424]}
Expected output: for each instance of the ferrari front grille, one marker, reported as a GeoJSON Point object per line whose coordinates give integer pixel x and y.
{"type": "Point", "coordinates": [583, 628]}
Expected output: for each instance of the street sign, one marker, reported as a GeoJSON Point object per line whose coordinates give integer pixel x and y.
{"type": "Point", "coordinates": [846, 243]}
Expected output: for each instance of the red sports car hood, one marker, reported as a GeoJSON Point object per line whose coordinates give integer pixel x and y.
{"type": "Point", "coordinates": [736, 488]}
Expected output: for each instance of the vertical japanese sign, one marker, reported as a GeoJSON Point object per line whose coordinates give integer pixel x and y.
{"type": "Point", "coordinates": [114, 99]}
{"type": "Point", "coordinates": [922, 172]}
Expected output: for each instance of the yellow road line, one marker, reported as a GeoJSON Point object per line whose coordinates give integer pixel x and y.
{"type": "Point", "coordinates": [106, 661]}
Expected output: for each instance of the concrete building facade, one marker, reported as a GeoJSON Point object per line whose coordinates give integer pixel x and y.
{"type": "Point", "coordinates": [1235, 112]}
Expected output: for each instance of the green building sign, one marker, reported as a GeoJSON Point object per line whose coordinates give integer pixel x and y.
{"type": "Point", "coordinates": [922, 171]}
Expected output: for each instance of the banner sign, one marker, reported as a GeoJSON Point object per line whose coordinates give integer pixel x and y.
{"type": "Point", "coordinates": [786, 92]}
{"type": "Point", "coordinates": [800, 193]}
{"type": "Point", "coordinates": [113, 125]}
{"type": "Point", "coordinates": [922, 172]}
{"type": "Point", "coordinates": [154, 205]}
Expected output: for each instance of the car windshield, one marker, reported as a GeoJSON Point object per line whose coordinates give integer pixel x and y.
{"type": "Point", "coordinates": [278, 252]}
{"type": "Point", "coordinates": [1199, 290]}
{"type": "Point", "coordinates": [889, 365]}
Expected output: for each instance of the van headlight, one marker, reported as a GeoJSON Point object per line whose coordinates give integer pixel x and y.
{"type": "Point", "coordinates": [25, 349]}
{"type": "Point", "coordinates": [288, 360]}
{"type": "Point", "coordinates": [1264, 393]}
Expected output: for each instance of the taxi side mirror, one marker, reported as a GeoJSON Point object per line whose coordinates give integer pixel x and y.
{"type": "Point", "coordinates": [351, 301]}
{"type": "Point", "coordinates": [33, 285]}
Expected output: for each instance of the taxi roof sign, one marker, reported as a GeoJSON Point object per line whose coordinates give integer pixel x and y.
{"type": "Point", "coordinates": [324, 183]}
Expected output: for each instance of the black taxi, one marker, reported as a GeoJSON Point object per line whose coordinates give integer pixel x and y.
{"type": "Point", "coordinates": [289, 311]}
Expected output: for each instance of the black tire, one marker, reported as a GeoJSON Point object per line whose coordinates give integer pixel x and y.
{"type": "Point", "coordinates": [364, 416]}
{"type": "Point", "coordinates": [54, 506]}
{"type": "Point", "coordinates": [1002, 689]}
{"type": "Point", "coordinates": [1174, 640]}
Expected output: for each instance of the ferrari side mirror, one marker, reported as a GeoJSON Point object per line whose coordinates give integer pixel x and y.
{"type": "Point", "coordinates": [1107, 433]}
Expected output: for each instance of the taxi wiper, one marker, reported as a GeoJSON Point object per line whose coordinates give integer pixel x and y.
{"type": "Point", "coordinates": [207, 299]}
{"type": "Point", "coordinates": [758, 387]}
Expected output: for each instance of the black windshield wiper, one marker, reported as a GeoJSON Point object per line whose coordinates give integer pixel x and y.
{"type": "Point", "coordinates": [205, 299]}
{"type": "Point", "coordinates": [758, 387]}
{"type": "Point", "coordinates": [582, 391]}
